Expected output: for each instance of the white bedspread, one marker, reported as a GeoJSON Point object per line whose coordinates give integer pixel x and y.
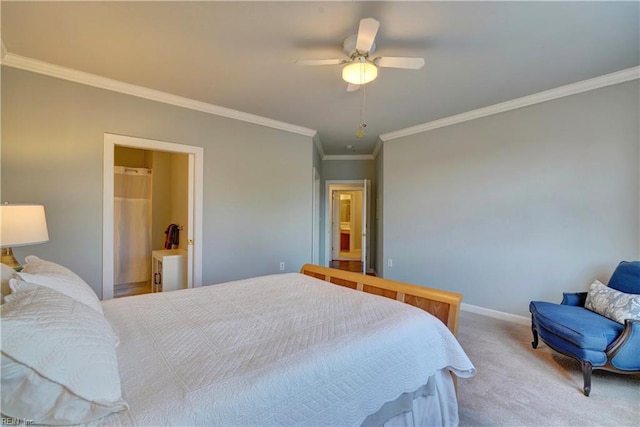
{"type": "Point", "coordinates": [275, 350]}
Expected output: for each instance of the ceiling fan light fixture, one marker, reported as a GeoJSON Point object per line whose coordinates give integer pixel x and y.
{"type": "Point", "coordinates": [359, 72]}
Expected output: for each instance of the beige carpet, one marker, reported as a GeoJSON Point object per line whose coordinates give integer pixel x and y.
{"type": "Point", "coordinates": [519, 386]}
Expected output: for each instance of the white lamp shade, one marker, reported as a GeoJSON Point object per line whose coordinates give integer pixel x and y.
{"type": "Point", "coordinates": [359, 73]}
{"type": "Point", "coordinates": [22, 225]}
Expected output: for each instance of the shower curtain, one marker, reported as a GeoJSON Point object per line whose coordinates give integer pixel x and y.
{"type": "Point", "coordinates": [132, 225]}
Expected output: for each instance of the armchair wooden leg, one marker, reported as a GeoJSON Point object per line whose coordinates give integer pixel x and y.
{"type": "Point", "coordinates": [586, 375]}
{"type": "Point", "coordinates": [534, 343]}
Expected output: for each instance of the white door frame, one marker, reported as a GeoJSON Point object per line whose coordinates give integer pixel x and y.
{"type": "Point", "coordinates": [315, 233]}
{"type": "Point", "coordinates": [365, 242]}
{"type": "Point", "coordinates": [336, 231]}
{"type": "Point", "coordinates": [195, 201]}
{"type": "Point", "coordinates": [341, 185]}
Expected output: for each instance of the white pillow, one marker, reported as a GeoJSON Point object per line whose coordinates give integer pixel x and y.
{"type": "Point", "coordinates": [59, 278]}
{"type": "Point", "coordinates": [611, 303]}
{"type": "Point", "coordinates": [17, 287]}
{"type": "Point", "coordinates": [59, 362]}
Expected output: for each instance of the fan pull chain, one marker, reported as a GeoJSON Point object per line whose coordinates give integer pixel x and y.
{"type": "Point", "coordinates": [363, 99]}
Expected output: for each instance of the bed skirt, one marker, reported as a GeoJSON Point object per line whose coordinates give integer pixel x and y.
{"type": "Point", "coordinates": [433, 404]}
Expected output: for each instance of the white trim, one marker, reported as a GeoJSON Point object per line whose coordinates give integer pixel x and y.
{"type": "Point", "coordinates": [377, 148]}
{"type": "Point", "coordinates": [349, 157]}
{"type": "Point", "coordinates": [318, 143]}
{"type": "Point", "coordinates": [548, 95]}
{"type": "Point", "coordinates": [17, 61]}
{"type": "Point", "coordinates": [107, 226]}
{"type": "Point", "coordinates": [110, 141]}
{"type": "Point", "coordinates": [40, 67]}
{"type": "Point", "coordinates": [315, 217]}
{"type": "Point", "coordinates": [495, 314]}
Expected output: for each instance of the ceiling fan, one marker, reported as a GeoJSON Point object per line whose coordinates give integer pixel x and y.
{"type": "Point", "coordinates": [361, 66]}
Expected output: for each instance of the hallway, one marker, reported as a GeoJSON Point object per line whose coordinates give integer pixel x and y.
{"type": "Point", "coordinates": [355, 266]}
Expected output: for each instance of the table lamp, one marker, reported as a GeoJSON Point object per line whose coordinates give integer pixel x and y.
{"type": "Point", "coordinates": [22, 225]}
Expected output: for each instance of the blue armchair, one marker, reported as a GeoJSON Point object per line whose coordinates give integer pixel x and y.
{"type": "Point", "coordinates": [597, 342]}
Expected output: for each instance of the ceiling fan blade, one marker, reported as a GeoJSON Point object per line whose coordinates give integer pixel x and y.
{"type": "Point", "coordinates": [400, 62]}
{"type": "Point", "coordinates": [319, 61]}
{"type": "Point", "coordinates": [366, 34]}
{"type": "Point", "coordinates": [352, 88]}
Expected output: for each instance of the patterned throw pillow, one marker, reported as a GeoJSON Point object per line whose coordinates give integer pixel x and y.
{"type": "Point", "coordinates": [612, 303]}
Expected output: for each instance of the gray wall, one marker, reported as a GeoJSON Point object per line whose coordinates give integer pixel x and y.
{"type": "Point", "coordinates": [257, 203]}
{"type": "Point", "coordinates": [517, 206]}
{"type": "Point", "coordinates": [348, 170]}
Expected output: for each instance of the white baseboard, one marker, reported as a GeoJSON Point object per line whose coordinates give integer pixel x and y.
{"type": "Point", "coordinates": [495, 314]}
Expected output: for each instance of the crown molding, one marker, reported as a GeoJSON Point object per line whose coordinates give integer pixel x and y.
{"type": "Point", "coordinates": [377, 148]}
{"type": "Point", "coordinates": [318, 143]}
{"type": "Point", "coordinates": [45, 68]}
{"type": "Point", "coordinates": [16, 61]}
{"type": "Point", "coordinates": [548, 95]}
{"type": "Point", "coordinates": [349, 157]}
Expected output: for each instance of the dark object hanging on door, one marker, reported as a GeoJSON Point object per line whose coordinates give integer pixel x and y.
{"type": "Point", "coordinates": [173, 236]}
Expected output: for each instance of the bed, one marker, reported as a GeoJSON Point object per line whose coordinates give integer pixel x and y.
{"type": "Point", "coordinates": [285, 349]}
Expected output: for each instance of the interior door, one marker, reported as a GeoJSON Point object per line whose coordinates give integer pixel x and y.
{"type": "Point", "coordinates": [335, 224]}
{"type": "Point", "coordinates": [190, 222]}
{"type": "Point", "coordinates": [365, 225]}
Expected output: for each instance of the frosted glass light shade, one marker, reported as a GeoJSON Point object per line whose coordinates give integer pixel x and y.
{"type": "Point", "coordinates": [22, 225]}
{"type": "Point", "coordinates": [359, 73]}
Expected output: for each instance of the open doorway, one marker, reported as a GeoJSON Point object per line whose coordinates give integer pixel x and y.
{"type": "Point", "coordinates": [150, 215]}
{"type": "Point", "coordinates": [347, 214]}
{"type": "Point", "coordinates": [190, 190]}
{"type": "Point", "coordinates": [347, 244]}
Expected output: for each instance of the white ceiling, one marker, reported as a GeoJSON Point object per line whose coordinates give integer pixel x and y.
{"type": "Point", "coordinates": [240, 55]}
